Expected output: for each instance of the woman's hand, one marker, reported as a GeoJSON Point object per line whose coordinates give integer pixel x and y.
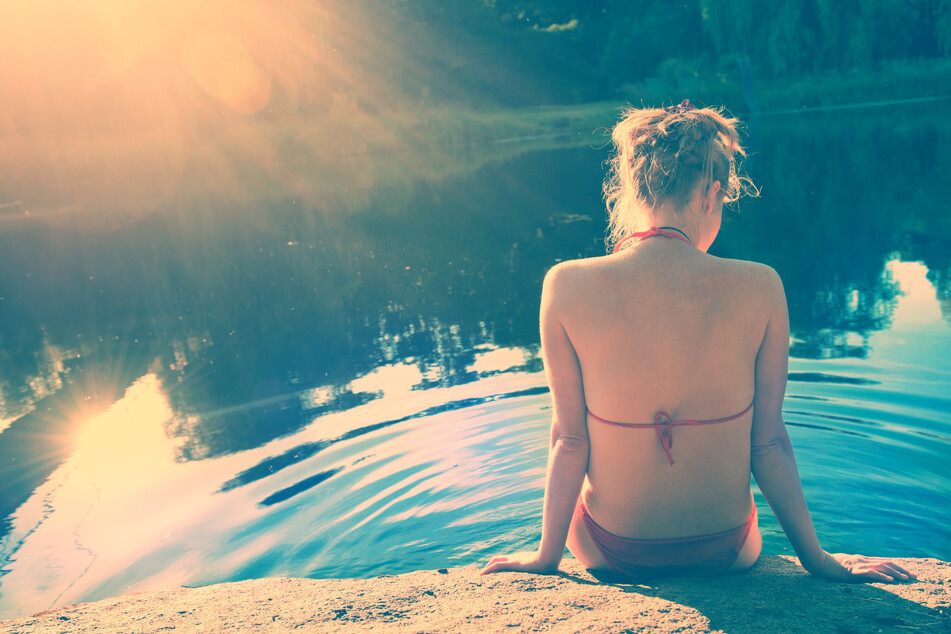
{"type": "Point", "coordinates": [859, 568]}
{"type": "Point", "coordinates": [520, 562]}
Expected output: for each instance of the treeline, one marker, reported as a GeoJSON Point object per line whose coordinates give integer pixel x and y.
{"type": "Point", "coordinates": [526, 51]}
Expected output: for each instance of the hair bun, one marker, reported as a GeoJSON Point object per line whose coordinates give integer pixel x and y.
{"type": "Point", "coordinates": [690, 145]}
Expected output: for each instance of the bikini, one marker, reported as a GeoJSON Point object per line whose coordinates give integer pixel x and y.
{"type": "Point", "coordinates": [700, 555]}
{"type": "Point", "coordinates": [643, 559]}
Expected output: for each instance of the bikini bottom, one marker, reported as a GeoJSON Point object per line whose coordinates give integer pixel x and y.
{"type": "Point", "coordinates": [642, 559]}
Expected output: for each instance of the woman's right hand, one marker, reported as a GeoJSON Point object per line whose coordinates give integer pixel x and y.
{"type": "Point", "coordinates": [528, 561]}
{"type": "Point", "coordinates": [859, 568]}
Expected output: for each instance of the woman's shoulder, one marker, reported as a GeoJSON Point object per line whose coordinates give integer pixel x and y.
{"type": "Point", "coordinates": [573, 269]}
{"type": "Point", "coordinates": [755, 271]}
{"type": "Point", "coordinates": [569, 277]}
{"type": "Point", "coordinates": [760, 279]}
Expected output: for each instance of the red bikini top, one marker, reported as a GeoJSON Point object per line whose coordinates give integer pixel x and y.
{"type": "Point", "coordinates": [664, 427]}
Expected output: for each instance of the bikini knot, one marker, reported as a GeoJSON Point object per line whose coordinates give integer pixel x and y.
{"type": "Point", "coordinates": [665, 433]}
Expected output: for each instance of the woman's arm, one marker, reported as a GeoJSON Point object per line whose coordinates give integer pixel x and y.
{"type": "Point", "coordinates": [568, 451]}
{"type": "Point", "coordinates": [774, 466]}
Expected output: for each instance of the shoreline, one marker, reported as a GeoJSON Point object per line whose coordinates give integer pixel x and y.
{"type": "Point", "coordinates": [775, 595]}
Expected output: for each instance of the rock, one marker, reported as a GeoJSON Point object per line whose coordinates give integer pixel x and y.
{"type": "Point", "coordinates": [776, 595]}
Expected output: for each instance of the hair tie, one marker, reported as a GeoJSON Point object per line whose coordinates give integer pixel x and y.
{"type": "Point", "coordinates": [682, 107]}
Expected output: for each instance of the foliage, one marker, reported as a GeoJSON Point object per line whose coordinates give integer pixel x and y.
{"type": "Point", "coordinates": [518, 52]}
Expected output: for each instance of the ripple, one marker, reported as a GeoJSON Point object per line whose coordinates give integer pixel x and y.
{"type": "Point", "coordinates": [821, 377]}
{"type": "Point", "coordinates": [305, 484]}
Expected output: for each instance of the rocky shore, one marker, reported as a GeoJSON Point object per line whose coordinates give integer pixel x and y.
{"type": "Point", "coordinates": [775, 596]}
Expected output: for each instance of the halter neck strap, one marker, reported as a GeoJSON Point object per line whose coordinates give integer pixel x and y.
{"type": "Point", "coordinates": [666, 232]}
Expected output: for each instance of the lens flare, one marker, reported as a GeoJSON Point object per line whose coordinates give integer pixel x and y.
{"type": "Point", "coordinates": [226, 71]}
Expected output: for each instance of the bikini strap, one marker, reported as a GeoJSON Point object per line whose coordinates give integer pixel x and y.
{"type": "Point", "coordinates": [664, 427]}
{"type": "Point", "coordinates": [666, 232]}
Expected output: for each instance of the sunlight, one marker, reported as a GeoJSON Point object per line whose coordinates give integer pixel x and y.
{"type": "Point", "coordinates": [115, 105]}
{"type": "Point", "coordinates": [101, 507]}
{"type": "Point", "coordinates": [224, 69]}
{"type": "Point", "coordinates": [120, 502]}
{"type": "Point", "coordinates": [127, 439]}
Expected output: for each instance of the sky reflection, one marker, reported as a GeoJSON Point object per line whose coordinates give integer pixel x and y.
{"type": "Point", "coordinates": [120, 488]}
{"type": "Point", "coordinates": [918, 305]}
{"type": "Point", "coordinates": [919, 339]}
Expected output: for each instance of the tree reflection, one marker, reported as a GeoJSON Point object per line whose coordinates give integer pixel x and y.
{"type": "Point", "coordinates": [842, 194]}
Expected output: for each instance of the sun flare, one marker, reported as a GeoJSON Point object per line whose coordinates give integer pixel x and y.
{"type": "Point", "coordinates": [131, 105]}
{"type": "Point", "coordinates": [127, 439]}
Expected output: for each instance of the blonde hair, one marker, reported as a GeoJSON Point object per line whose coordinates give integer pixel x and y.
{"type": "Point", "coordinates": [664, 154]}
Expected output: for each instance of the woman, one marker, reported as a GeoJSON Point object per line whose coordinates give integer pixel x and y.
{"type": "Point", "coordinates": [667, 368]}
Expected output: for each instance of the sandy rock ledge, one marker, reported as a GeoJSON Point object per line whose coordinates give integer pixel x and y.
{"type": "Point", "coordinates": [775, 596]}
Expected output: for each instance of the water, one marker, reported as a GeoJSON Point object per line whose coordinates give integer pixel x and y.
{"type": "Point", "coordinates": [350, 386]}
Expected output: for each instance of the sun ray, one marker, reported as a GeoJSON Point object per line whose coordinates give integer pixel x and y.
{"type": "Point", "coordinates": [137, 107]}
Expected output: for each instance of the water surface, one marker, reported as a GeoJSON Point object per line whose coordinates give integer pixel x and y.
{"type": "Point", "coordinates": [352, 388]}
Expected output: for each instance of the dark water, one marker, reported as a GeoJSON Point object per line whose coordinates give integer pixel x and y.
{"type": "Point", "coordinates": [280, 387]}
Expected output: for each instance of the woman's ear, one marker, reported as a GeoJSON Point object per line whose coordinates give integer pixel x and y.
{"type": "Point", "coordinates": [711, 197]}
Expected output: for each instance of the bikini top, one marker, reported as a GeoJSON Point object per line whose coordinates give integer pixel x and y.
{"type": "Point", "coordinates": [666, 232]}
{"type": "Point", "coordinates": [664, 427]}
{"type": "Point", "coordinates": [662, 424]}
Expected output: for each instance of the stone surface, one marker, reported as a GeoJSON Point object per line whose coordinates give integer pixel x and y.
{"type": "Point", "coordinates": [775, 596]}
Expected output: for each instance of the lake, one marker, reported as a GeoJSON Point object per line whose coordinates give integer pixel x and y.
{"type": "Point", "coordinates": [344, 379]}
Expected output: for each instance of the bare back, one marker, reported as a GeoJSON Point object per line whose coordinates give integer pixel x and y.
{"type": "Point", "coordinates": [667, 327]}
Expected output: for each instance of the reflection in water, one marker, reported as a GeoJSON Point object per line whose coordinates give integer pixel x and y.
{"type": "Point", "coordinates": [305, 451]}
{"type": "Point", "coordinates": [234, 315]}
{"type": "Point", "coordinates": [919, 305]}
{"type": "Point", "coordinates": [919, 340]}
{"type": "Point", "coordinates": [821, 227]}
{"type": "Point", "coordinates": [44, 370]}
{"type": "Point", "coordinates": [121, 513]}
{"type": "Point", "coordinates": [130, 437]}
{"type": "Point", "coordinates": [121, 468]}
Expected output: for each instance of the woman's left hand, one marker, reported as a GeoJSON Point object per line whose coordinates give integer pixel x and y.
{"type": "Point", "coordinates": [520, 562]}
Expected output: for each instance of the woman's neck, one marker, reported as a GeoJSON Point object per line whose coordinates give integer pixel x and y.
{"type": "Point", "coordinates": [681, 221]}
{"type": "Point", "coordinates": [690, 220]}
